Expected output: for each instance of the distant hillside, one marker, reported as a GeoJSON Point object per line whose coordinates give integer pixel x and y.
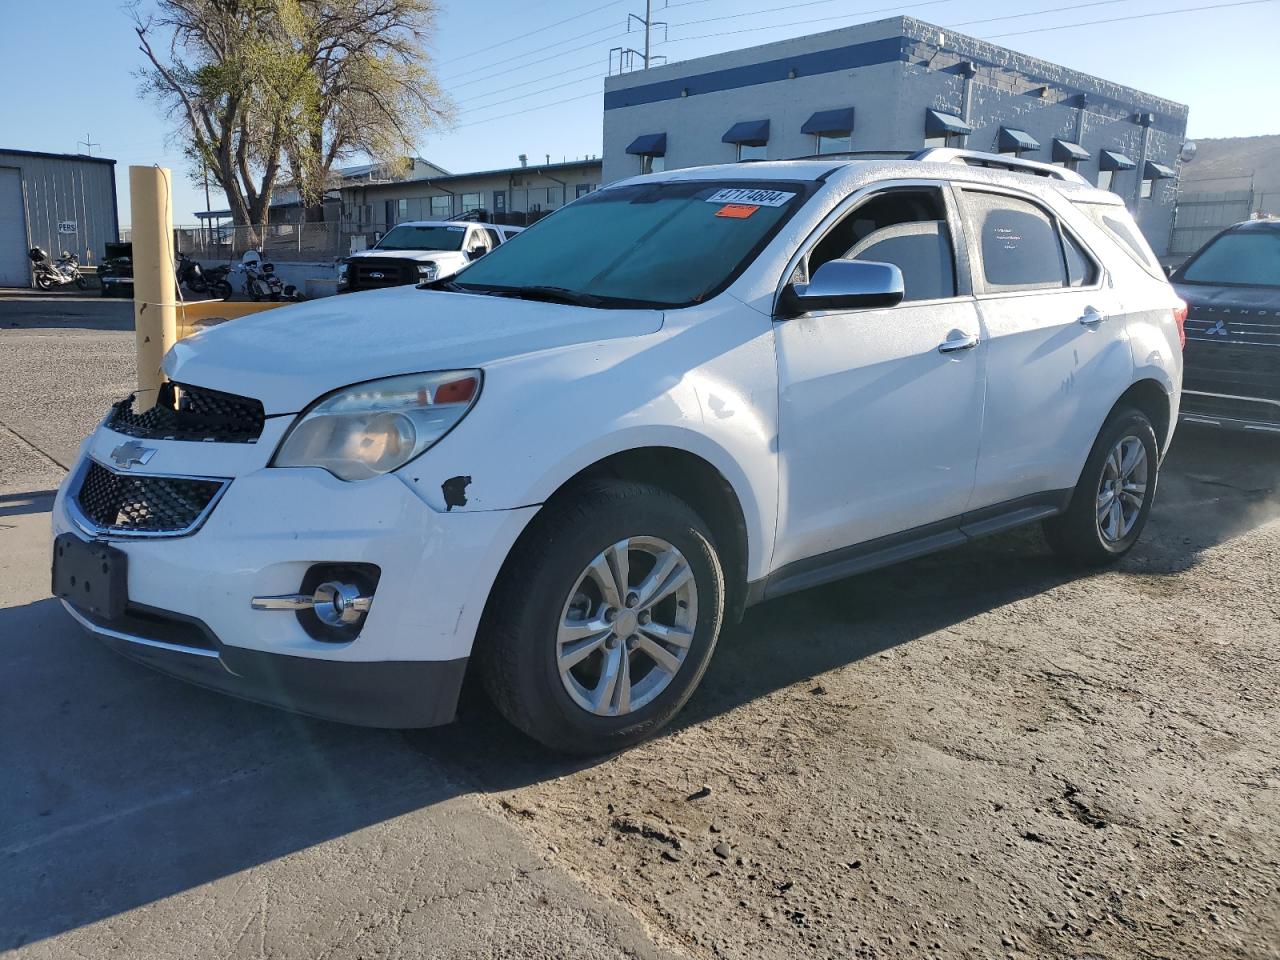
{"type": "Point", "coordinates": [1228, 163]}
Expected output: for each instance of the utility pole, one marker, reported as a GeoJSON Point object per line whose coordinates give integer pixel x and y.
{"type": "Point", "coordinates": [648, 23]}
{"type": "Point", "coordinates": [87, 144]}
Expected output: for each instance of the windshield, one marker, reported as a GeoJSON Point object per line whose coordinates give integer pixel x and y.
{"type": "Point", "coordinates": [410, 237]}
{"type": "Point", "coordinates": [1242, 258]}
{"type": "Point", "coordinates": [669, 244]}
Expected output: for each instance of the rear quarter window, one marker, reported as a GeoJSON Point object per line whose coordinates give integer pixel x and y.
{"type": "Point", "coordinates": [1117, 223]}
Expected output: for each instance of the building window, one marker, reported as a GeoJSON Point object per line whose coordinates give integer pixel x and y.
{"type": "Point", "coordinates": [751, 151]}
{"type": "Point", "coordinates": [1105, 179]}
{"type": "Point", "coordinates": [1145, 189]}
{"type": "Point", "coordinates": [652, 164]}
{"type": "Point", "coordinates": [582, 189]}
{"type": "Point", "coordinates": [441, 207]}
{"type": "Point", "coordinates": [1066, 164]}
{"type": "Point", "coordinates": [944, 129]}
{"type": "Point", "coordinates": [402, 210]}
{"type": "Point", "coordinates": [471, 201]}
{"type": "Point", "coordinates": [834, 143]}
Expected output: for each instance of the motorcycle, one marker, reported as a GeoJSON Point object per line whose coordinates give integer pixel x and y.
{"type": "Point", "coordinates": [198, 280]}
{"type": "Point", "coordinates": [261, 281]}
{"type": "Point", "coordinates": [48, 274]}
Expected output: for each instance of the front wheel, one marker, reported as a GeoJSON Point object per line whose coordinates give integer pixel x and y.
{"type": "Point", "coordinates": [1110, 505]}
{"type": "Point", "coordinates": [604, 618]}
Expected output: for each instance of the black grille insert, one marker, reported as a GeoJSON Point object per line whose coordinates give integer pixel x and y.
{"type": "Point", "coordinates": [381, 272]}
{"type": "Point", "coordinates": [119, 503]}
{"type": "Point", "coordinates": [191, 413]}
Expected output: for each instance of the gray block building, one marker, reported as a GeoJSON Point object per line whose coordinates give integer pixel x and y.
{"type": "Point", "coordinates": [56, 201]}
{"type": "Point", "coordinates": [896, 85]}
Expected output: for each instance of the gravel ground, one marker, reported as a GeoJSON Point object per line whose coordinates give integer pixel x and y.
{"type": "Point", "coordinates": [975, 754]}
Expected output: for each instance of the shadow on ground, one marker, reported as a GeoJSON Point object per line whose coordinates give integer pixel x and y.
{"type": "Point", "coordinates": [123, 787]}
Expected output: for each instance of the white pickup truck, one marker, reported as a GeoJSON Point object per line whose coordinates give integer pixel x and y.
{"type": "Point", "coordinates": [420, 251]}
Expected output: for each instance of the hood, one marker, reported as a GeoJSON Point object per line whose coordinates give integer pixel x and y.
{"type": "Point", "coordinates": [403, 254]}
{"type": "Point", "coordinates": [289, 356]}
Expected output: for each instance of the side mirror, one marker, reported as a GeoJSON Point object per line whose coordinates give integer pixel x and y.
{"type": "Point", "coordinates": [844, 285]}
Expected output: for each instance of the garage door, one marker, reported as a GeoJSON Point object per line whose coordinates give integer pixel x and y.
{"type": "Point", "coordinates": [14, 271]}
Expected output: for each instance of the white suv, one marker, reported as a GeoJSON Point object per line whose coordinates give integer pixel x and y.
{"type": "Point", "coordinates": [678, 396]}
{"type": "Point", "coordinates": [420, 251]}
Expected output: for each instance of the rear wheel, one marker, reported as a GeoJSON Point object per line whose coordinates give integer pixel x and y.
{"type": "Point", "coordinates": [604, 619]}
{"type": "Point", "coordinates": [82, 282]}
{"type": "Point", "coordinates": [44, 283]}
{"type": "Point", "coordinates": [1110, 505]}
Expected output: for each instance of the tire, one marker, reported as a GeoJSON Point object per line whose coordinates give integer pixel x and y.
{"type": "Point", "coordinates": [44, 283]}
{"type": "Point", "coordinates": [547, 584]}
{"type": "Point", "coordinates": [1080, 534]}
{"type": "Point", "coordinates": [221, 289]}
{"type": "Point", "coordinates": [82, 283]}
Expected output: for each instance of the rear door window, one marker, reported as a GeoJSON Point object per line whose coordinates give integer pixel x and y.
{"type": "Point", "coordinates": [1018, 243]}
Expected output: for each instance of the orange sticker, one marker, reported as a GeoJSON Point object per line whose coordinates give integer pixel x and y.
{"type": "Point", "coordinates": [738, 211]}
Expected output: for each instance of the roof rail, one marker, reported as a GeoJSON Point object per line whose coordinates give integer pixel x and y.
{"type": "Point", "coordinates": [998, 161]}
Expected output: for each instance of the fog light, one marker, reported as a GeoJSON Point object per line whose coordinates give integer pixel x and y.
{"type": "Point", "coordinates": [339, 603]}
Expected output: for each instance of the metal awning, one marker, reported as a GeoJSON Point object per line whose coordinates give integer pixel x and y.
{"type": "Point", "coordinates": [830, 122]}
{"type": "Point", "coordinates": [1110, 160]}
{"type": "Point", "coordinates": [1066, 150]}
{"type": "Point", "coordinates": [937, 123]}
{"type": "Point", "coordinates": [1158, 171]}
{"type": "Point", "coordinates": [649, 145]}
{"type": "Point", "coordinates": [749, 133]}
{"type": "Point", "coordinates": [1013, 139]}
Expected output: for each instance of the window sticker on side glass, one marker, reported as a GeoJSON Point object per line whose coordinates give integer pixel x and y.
{"type": "Point", "coordinates": [750, 195]}
{"type": "Point", "coordinates": [456, 229]}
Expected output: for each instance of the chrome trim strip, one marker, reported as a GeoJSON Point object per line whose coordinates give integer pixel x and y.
{"type": "Point", "coordinates": [90, 528]}
{"type": "Point", "coordinates": [1231, 396]}
{"type": "Point", "coordinates": [143, 641]}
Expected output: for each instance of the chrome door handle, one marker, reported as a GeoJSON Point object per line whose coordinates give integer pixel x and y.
{"type": "Point", "coordinates": [966, 341]}
{"type": "Point", "coordinates": [1091, 317]}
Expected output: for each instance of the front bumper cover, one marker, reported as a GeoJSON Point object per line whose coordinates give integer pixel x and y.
{"type": "Point", "coordinates": [389, 693]}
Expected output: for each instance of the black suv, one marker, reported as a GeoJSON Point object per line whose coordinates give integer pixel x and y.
{"type": "Point", "coordinates": [1231, 374]}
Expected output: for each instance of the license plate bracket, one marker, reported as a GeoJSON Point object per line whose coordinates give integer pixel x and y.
{"type": "Point", "coordinates": [90, 576]}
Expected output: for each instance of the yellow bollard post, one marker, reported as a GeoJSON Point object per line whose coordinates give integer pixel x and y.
{"type": "Point", "coordinates": [154, 312]}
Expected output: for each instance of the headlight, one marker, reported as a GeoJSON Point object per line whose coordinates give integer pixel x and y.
{"type": "Point", "coordinates": [373, 428]}
{"type": "Point", "coordinates": [427, 271]}
{"type": "Point", "coordinates": [342, 274]}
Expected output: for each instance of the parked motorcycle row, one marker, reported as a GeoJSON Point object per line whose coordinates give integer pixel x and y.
{"type": "Point", "coordinates": [259, 280]}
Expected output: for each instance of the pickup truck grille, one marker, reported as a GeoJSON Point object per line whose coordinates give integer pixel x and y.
{"type": "Point", "coordinates": [191, 413]}
{"type": "Point", "coordinates": [144, 505]}
{"type": "Point", "coordinates": [381, 272]}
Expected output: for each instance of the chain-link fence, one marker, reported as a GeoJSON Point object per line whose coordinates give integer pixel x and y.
{"type": "Point", "coordinates": [306, 242]}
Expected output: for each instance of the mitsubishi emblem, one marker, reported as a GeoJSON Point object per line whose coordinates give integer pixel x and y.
{"type": "Point", "coordinates": [1219, 329]}
{"type": "Point", "coordinates": [128, 454]}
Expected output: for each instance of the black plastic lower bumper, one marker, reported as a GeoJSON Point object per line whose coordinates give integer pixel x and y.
{"type": "Point", "coordinates": [389, 693]}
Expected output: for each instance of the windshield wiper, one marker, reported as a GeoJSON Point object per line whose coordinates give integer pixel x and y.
{"type": "Point", "coordinates": [539, 292]}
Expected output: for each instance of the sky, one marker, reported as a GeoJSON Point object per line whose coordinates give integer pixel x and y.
{"type": "Point", "coordinates": [528, 77]}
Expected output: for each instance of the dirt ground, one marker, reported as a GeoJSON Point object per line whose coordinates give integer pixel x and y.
{"type": "Point", "coordinates": [976, 754]}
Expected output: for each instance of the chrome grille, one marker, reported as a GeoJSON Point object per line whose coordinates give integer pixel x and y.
{"type": "Point", "coordinates": [144, 505]}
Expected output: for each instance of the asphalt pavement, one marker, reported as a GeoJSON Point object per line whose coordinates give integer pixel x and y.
{"type": "Point", "coordinates": [141, 816]}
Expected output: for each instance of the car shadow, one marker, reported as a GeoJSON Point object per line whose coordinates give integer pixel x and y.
{"type": "Point", "coordinates": [18, 504]}
{"type": "Point", "coordinates": [123, 787]}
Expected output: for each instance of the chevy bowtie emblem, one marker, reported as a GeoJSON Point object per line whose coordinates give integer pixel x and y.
{"type": "Point", "coordinates": [128, 454]}
{"type": "Point", "coordinates": [1219, 329]}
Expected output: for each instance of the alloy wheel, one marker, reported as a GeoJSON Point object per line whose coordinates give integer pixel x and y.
{"type": "Point", "coordinates": [626, 628]}
{"type": "Point", "coordinates": [1122, 489]}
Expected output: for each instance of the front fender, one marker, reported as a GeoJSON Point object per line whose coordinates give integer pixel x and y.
{"type": "Point", "coordinates": [706, 386]}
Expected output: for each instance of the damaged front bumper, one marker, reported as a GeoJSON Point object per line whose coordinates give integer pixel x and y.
{"type": "Point", "coordinates": [189, 608]}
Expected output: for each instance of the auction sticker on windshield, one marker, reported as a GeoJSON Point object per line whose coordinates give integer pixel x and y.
{"type": "Point", "coordinates": [750, 195]}
{"type": "Point", "coordinates": [737, 211]}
